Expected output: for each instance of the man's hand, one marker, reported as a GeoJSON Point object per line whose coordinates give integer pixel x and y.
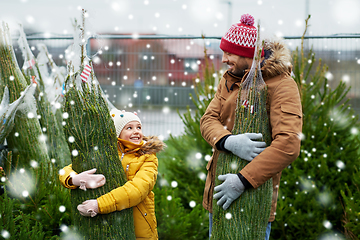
{"type": "Point", "coordinates": [243, 146]}
{"type": "Point", "coordinates": [89, 208]}
{"type": "Point", "coordinates": [229, 190]}
{"type": "Point", "coordinates": [88, 179]}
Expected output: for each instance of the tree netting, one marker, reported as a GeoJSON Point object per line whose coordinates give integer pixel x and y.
{"type": "Point", "coordinates": [247, 217]}
{"type": "Point", "coordinates": [92, 141]}
{"type": "Point", "coordinates": [25, 140]}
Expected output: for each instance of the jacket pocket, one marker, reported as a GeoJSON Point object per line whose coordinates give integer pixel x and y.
{"type": "Point", "coordinates": [147, 215]}
{"type": "Point", "coordinates": [289, 121]}
{"type": "Point", "coordinates": [291, 109]}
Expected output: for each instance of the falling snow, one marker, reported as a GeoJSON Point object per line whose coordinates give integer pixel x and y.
{"type": "Point", "coordinates": [74, 152]}
{"type": "Point", "coordinates": [174, 184]}
{"type": "Point", "coordinates": [62, 209]}
{"type": "Point", "coordinates": [327, 224]}
{"type": "Point", "coordinates": [194, 159]}
{"type": "Point", "coordinates": [5, 234]}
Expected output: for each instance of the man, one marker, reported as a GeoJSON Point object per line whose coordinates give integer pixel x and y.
{"type": "Point", "coordinates": [283, 108]}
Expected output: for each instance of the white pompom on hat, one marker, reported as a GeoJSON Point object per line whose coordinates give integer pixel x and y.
{"type": "Point", "coordinates": [121, 118]}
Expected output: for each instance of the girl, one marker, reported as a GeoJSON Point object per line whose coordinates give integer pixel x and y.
{"type": "Point", "coordinates": [137, 154]}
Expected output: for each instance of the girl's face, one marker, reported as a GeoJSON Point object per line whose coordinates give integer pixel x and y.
{"type": "Point", "coordinates": [132, 132]}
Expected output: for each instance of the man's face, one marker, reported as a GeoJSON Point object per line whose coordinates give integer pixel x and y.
{"type": "Point", "coordinates": [237, 64]}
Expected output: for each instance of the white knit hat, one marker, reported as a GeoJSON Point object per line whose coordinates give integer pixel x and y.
{"type": "Point", "coordinates": [121, 118]}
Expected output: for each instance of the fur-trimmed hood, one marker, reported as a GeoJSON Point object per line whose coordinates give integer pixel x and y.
{"type": "Point", "coordinates": [277, 59]}
{"type": "Point", "coordinates": [152, 144]}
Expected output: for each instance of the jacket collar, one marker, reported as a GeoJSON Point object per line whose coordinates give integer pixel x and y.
{"type": "Point", "coordinates": [232, 80]}
{"type": "Point", "coordinates": [127, 146]}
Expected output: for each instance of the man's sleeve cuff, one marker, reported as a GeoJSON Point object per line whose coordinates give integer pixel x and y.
{"type": "Point", "coordinates": [246, 183]}
{"type": "Point", "coordinates": [220, 144]}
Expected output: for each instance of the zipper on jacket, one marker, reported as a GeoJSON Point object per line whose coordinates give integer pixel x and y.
{"type": "Point", "coordinates": [127, 171]}
{"type": "Point", "coordinates": [127, 166]}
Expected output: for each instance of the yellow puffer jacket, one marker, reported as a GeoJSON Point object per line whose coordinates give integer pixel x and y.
{"type": "Point", "coordinates": [140, 164]}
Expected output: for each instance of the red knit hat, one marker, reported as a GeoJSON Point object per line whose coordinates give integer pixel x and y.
{"type": "Point", "coordinates": [240, 39]}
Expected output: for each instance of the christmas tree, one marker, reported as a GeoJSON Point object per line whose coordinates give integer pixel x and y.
{"type": "Point", "coordinates": [310, 194]}
{"type": "Point", "coordinates": [182, 170]}
{"type": "Point", "coordinates": [247, 217]}
{"type": "Point", "coordinates": [26, 139]}
{"type": "Point", "coordinates": [351, 202]}
{"type": "Point", "coordinates": [47, 100]}
{"type": "Point", "coordinates": [33, 204]}
{"type": "Point", "coordinates": [93, 144]}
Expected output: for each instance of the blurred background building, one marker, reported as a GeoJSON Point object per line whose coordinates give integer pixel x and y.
{"type": "Point", "coordinates": [147, 54]}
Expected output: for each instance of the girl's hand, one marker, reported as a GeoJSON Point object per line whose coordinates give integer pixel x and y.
{"type": "Point", "coordinates": [87, 179]}
{"type": "Point", "coordinates": [89, 208]}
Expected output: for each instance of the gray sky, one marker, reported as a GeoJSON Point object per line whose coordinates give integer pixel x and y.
{"type": "Point", "coordinates": [184, 17]}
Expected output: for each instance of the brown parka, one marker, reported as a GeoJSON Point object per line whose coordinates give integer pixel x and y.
{"type": "Point", "coordinates": [283, 107]}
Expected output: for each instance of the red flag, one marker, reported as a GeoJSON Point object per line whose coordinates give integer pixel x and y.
{"type": "Point", "coordinates": [245, 103]}
{"type": "Point", "coordinates": [85, 73]}
{"type": "Point", "coordinates": [29, 64]}
{"type": "Point", "coordinates": [252, 109]}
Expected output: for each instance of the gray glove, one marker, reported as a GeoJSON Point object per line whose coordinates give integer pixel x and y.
{"type": "Point", "coordinates": [229, 190]}
{"type": "Point", "coordinates": [243, 146]}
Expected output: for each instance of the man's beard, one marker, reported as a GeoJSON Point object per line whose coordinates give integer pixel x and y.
{"type": "Point", "coordinates": [239, 72]}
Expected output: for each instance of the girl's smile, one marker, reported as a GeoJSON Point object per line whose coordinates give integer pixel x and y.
{"type": "Point", "coordinates": [132, 132]}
